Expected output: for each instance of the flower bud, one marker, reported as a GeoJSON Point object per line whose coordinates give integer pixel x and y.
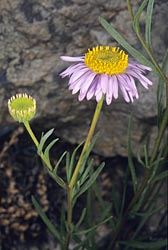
{"type": "Point", "coordinates": [22, 107]}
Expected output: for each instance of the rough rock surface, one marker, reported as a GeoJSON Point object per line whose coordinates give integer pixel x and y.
{"type": "Point", "coordinates": [33, 35]}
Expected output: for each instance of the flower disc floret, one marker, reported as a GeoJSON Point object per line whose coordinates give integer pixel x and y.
{"type": "Point", "coordinates": [106, 60]}
{"type": "Point", "coordinates": [22, 107]}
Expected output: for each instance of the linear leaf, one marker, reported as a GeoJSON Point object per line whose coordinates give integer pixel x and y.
{"type": "Point", "coordinates": [161, 85]}
{"type": "Point", "coordinates": [43, 139]}
{"type": "Point", "coordinates": [90, 182]}
{"type": "Point", "coordinates": [70, 167]}
{"type": "Point", "coordinates": [138, 15]}
{"type": "Point", "coordinates": [144, 218]}
{"type": "Point", "coordinates": [87, 153]}
{"type": "Point", "coordinates": [130, 161]}
{"type": "Point", "coordinates": [85, 174]}
{"type": "Point", "coordinates": [58, 179]}
{"type": "Point", "coordinates": [58, 162]}
{"type": "Point", "coordinates": [50, 145]}
{"type": "Point", "coordinates": [135, 53]}
{"type": "Point", "coordinates": [145, 245]}
{"type": "Point", "coordinates": [149, 22]}
{"type": "Point", "coordinates": [46, 220]}
{"type": "Point", "coordinates": [161, 176]}
{"type": "Point", "coordinates": [94, 227]}
{"type": "Point", "coordinates": [81, 218]}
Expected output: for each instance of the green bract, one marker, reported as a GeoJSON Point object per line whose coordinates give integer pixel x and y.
{"type": "Point", "coordinates": [22, 107]}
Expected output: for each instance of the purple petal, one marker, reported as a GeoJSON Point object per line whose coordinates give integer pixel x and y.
{"type": "Point", "coordinates": [103, 82]}
{"type": "Point", "coordinates": [72, 58]}
{"type": "Point", "coordinates": [81, 96]}
{"type": "Point", "coordinates": [115, 87]}
{"type": "Point", "coordinates": [77, 74]}
{"type": "Point", "coordinates": [133, 63]}
{"type": "Point", "coordinates": [124, 93]}
{"type": "Point", "coordinates": [92, 89]}
{"type": "Point", "coordinates": [109, 92]}
{"type": "Point", "coordinates": [88, 80]}
{"type": "Point", "coordinates": [98, 92]}
{"type": "Point", "coordinates": [71, 69]}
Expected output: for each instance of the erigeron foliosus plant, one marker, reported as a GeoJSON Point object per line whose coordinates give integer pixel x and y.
{"type": "Point", "coordinates": [101, 74]}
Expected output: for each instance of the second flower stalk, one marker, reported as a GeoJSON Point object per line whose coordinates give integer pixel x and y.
{"type": "Point", "coordinates": [80, 161]}
{"type": "Point", "coordinates": [23, 108]}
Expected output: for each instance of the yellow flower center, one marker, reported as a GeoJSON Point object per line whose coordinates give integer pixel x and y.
{"type": "Point", "coordinates": [106, 60]}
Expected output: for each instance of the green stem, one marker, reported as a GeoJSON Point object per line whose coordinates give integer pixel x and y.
{"type": "Point", "coordinates": [69, 217]}
{"type": "Point", "coordinates": [70, 186]}
{"type": "Point", "coordinates": [87, 142]}
{"type": "Point", "coordinates": [29, 130]}
{"type": "Point", "coordinates": [158, 139]}
{"type": "Point", "coordinates": [147, 49]}
{"type": "Point", "coordinates": [130, 10]}
{"type": "Point", "coordinates": [43, 157]}
{"type": "Point", "coordinates": [70, 206]}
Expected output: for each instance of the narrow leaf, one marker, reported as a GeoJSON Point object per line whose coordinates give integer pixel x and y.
{"type": "Point", "coordinates": [149, 22]}
{"type": "Point", "coordinates": [58, 179]}
{"type": "Point", "coordinates": [87, 153]}
{"type": "Point", "coordinates": [138, 15]}
{"type": "Point", "coordinates": [94, 227]}
{"type": "Point", "coordinates": [135, 53]}
{"type": "Point", "coordinates": [43, 139]}
{"type": "Point", "coordinates": [165, 61]}
{"type": "Point", "coordinates": [90, 182]}
{"type": "Point", "coordinates": [145, 245]}
{"type": "Point", "coordinates": [161, 176]}
{"type": "Point", "coordinates": [47, 150]}
{"type": "Point", "coordinates": [81, 218]}
{"type": "Point", "coordinates": [58, 162]}
{"type": "Point", "coordinates": [130, 161]}
{"type": "Point", "coordinates": [46, 220]}
{"type": "Point", "coordinates": [144, 218]}
{"type": "Point", "coordinates": [85, 175]}
{"type": "Point", "coordinates": [161, 86]}
{"type": "Point", "coordinates": [72, 163]}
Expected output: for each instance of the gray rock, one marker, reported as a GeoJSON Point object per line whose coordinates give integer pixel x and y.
{"type": "Point", "coordinates": [33, 35]}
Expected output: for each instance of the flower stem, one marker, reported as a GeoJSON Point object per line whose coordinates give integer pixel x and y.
{"type": "Point", "coordinates": [69, 217]}
{"type": "Point", "coordinates": [87, 142]}
{"type": "Point", "coordinates": [29, 130]}
{"type": "Point", "coordinates": [158, 139]}
{"type": "Point", "coordinates": [70, 186]}
{"type": "Point", "coordinates": [164, 78]}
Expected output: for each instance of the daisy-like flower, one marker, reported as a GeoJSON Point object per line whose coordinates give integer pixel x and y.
{"type": "Point", "coordinates": [105, 70]}
{"type": "Point", "coordinates": [22, 107]}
